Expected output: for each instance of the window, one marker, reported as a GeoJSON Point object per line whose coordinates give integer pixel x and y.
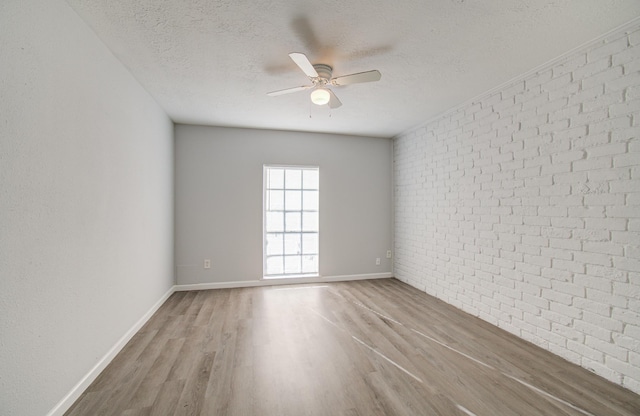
{"type": "Point", "coordinates": [291, 221]}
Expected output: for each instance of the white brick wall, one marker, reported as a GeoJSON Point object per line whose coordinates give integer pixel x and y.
{"type": "Point", "coordinates": [523, 208]}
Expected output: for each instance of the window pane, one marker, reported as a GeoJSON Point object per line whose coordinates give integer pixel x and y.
{"type": "Point", "coordinates": [275, 178]}
{"type": "Point", "coordinates": [275, 221]}
{"type": "Point", "coordinates": [309, 243]}
{"type": "Point", "coordinates": [293, 179]}
{"type": "Point", "coordinates": [275, 265]}
{"type": "Point", "coordinates": [310, 179]}
{"type": "Point", "coordinates": [292, 244]}
{"type": "Point", "coordinates": [292, 264]}
{"type": "Point", "coordinates": [310, 200]}
{"type": "Point", "coordinates": [275, 200]}
{"type": "Point", "coordinates": [293, 200]}
{"type": "Point", "coordinates": [274, 244]}
{"type": "Point", "coordinates": [293, 221]}
{"type": "Point", "coordinates": [310, 264]}
{"type": "Point", "coordinates": [309, 221]}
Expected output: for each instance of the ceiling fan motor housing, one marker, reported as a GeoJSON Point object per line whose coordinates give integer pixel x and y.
{"type": "Point", "coordinates": [324, 72]}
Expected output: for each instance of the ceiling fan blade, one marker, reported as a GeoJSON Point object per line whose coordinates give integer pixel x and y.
{"type": "Point", "coordinates": [289, 90]}
{"type": "Point", "coordinates": [303, 62]}
{"type": "Point", "coordinates": [368, 76]}
{"type": "Point", "coordinates": [333, 100]}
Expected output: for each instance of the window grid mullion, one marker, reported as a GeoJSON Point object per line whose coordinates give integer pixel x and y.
{"type": "Point", "coordinates": [284, 217]}
{"type": "Point", "coordinates": [301, 216]}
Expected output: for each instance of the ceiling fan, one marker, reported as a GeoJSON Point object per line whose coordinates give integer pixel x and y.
{"type": "Point", "coordinates": [320, 76]}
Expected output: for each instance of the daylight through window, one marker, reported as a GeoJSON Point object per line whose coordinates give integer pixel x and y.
{"type": "Point", "coordinates": [291, 213]}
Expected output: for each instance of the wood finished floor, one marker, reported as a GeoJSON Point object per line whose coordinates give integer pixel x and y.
{"type": "Point", "coordinates": [356, 348]}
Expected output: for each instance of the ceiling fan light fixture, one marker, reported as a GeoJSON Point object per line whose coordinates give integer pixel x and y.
{"type": "Point", "coordinates": [320, 96]}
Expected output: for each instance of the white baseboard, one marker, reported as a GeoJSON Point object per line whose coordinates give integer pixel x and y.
{"type": "Point", "coordinates": [82, 385]}
{"type": "Point", "coordinates": [283, 281]}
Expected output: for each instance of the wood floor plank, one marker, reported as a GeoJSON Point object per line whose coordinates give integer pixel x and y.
{"type": "Point", "coordinates": [192, 398]}
{"type": "Point", "coordinates": [166, 401]}
{"type": "Point", "coordinates": [354, 348]}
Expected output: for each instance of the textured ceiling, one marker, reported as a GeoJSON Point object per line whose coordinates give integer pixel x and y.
{"type": "Point", "coordinates": [212, 62]}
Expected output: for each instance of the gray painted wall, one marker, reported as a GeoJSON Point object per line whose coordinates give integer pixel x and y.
{"type": "Point", "coordinates": [86, 210]}
{"type": "Point", "coordinates": [219, 200]}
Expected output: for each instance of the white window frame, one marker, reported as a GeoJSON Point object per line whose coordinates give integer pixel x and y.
{"type": "Point", "coordinates": [285, 231]}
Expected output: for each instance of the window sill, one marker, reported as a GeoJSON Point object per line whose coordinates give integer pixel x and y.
{"type": "Point", "coordinates": [291, 276]}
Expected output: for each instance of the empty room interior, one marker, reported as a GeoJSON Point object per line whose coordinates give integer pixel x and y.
{"type": "Point", "coordinates": [282, 207]}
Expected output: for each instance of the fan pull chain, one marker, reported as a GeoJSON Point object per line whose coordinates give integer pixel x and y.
{"type": "Point", "coordinates": [319, 110]}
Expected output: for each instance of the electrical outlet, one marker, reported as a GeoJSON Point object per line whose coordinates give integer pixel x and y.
{"type": "Point", "coordinates": [207, 263]}
{"type": "Point", "coordinates": [388, 254]}
{"type": "Point", "coordinates": [378, 261]}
